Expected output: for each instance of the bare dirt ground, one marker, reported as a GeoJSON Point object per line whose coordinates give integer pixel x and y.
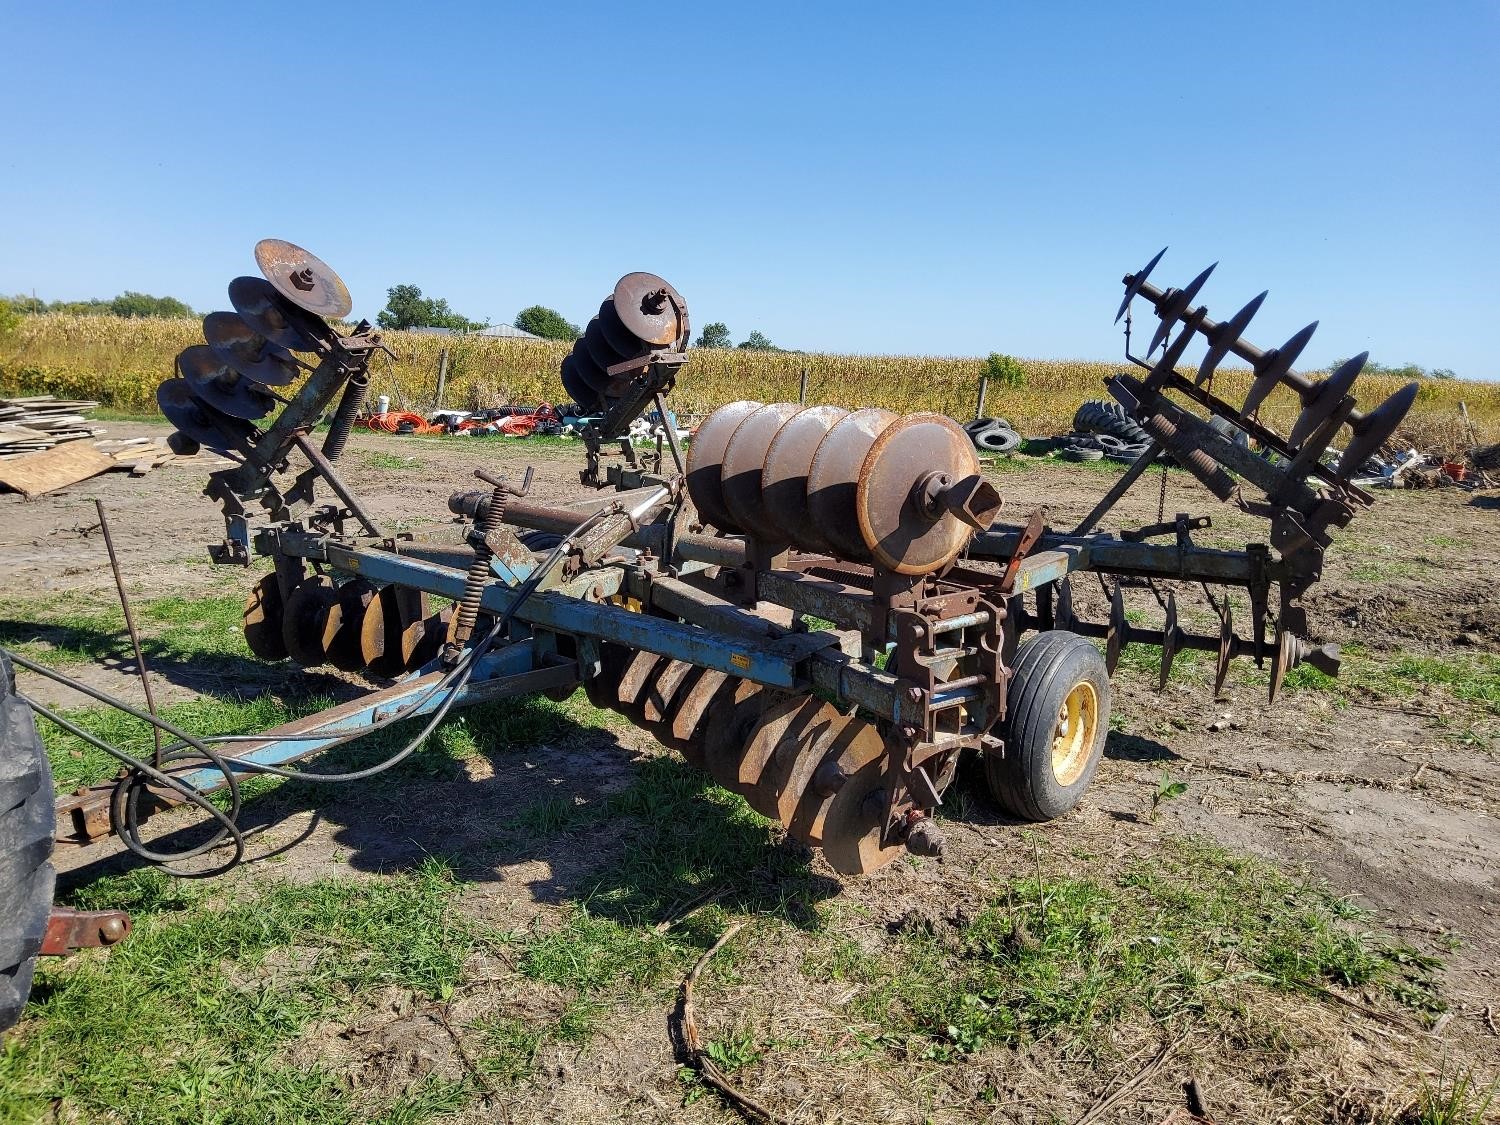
{"type": "Point", "coordinates": [1391, 797]}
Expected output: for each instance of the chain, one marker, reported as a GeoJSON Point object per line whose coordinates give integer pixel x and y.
{"type": "Point", "coordinates": [1161, 499]}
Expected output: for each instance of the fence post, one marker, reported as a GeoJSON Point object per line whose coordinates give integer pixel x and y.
{"type": "Point", "coordinates": [984, 386]}
{"type": "Point", "coordinates": [802, 389]}
{"type": "Point", "coordinates": [442, 380]}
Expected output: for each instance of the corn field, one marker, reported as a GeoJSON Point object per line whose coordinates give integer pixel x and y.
{"type": "Point", "coordinates": [120, 361]}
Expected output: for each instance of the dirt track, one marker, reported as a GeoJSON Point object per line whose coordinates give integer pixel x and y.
{"type": "Point", "coordinates": [1391, 796]}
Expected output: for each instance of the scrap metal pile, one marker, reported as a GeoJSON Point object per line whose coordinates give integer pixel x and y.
{"type": "Point", "coordinates": [837, 619]}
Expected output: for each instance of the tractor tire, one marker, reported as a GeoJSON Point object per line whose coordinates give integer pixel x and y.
{"type": "Point", "coordinates": [1056, 721]}
{"type": "Point", "coordinates": [997, 440]}
{"type": "Point", "coordinates": [1100, 417]}
{"type": "Point", "coordinates": [28, 822]}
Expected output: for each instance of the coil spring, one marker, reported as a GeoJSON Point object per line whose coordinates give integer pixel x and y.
{"type": "Point", "coordinates": [343, 418]}
{"type": "Point", "coordinates": [474, 582]}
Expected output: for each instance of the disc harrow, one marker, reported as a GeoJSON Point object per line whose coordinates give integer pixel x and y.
{"type": "Point", "coordinates": [839, 616]}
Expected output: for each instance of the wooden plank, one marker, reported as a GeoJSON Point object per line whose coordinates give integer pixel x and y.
{"type": "Point", "coordinates": [36, 474]}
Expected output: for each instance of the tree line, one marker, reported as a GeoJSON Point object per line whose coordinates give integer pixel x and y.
{"type": "Point", "coordinates": [128, 303]}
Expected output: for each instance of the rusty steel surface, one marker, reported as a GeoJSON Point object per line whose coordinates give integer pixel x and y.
{"type": "Point", "coordinates": [651, 310]}
{"type": "Point", "coordinates": [833, 480]}
{"type": "Point", "coordinates": [269, 313]}
{"type": "Point", "coordinates": [705, 463]}
{"type": "Point", "coordinates": [69, 930]}
{"type": "Point", "coordinates": [744, 466]}
{"type": "Point", "coordinates": [211, 379]}
{"type": "Point", "coordinates": [199, 421]}
{"type": "Point", "coordinates": [247, 351]}
{"type": "Point", "coordinates": [901, 529]}
{"type": "Point", "coordinates": [303, 278]}
{"type": "Point", "coordinates": [788, 462]}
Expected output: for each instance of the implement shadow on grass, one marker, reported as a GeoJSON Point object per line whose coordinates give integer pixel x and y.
{"type": "Point", "coordinates": [223, 675]}
{"type": "Point", "coordinates": [520, 794]}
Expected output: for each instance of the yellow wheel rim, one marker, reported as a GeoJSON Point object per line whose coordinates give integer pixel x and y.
{"type": "Point", "coordinates": [1073, 741]}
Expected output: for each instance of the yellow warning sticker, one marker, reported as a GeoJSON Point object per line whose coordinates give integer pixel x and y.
{"type": "Point", "coordinates": [739, 660]}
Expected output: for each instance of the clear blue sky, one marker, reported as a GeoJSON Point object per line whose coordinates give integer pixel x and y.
{"type": "Point", "coordinates": [938, 178]}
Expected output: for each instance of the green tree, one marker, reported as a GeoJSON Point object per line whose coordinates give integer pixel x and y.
{"type": "Point", "coordinates": [715, 335]}
{"type": "Point", "coordinates": [131, 303]}
{"type": "Point", "coordinates": [1405, 371]}
{"type": "Point", "coordinates": [10, 317]}
{"type": "Point", "coordinates": [757, 341]}
{"type": "Point", "coordinates": [405, 307]}
{"type": "Point", "coordinates": [547, 323]}
{"type": "Point", "coordinates": [1005, 370]}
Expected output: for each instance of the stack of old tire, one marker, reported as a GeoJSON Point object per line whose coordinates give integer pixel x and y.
{"type": "Point", "coordinates": [1102, 430]}
{"type": "Point", "coordinates": [993, 435]}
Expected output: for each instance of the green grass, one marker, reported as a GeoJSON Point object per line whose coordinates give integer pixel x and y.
{"type": "Point", "coordinates": [1458, 1097]}
{"type": "Point", "coordinates": [1181, 936]}
{"type": "Point", "coordinates": [1470, 679]}
{"type": "Point", "coordinates": [78, 629]}
{"type": "Point", "coordinates": [380, 459]}
{"type": "Point", "coordinates": [190, 1018]}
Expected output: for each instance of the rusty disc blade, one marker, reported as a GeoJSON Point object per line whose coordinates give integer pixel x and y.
{"type": "Point", "coordinates": [199, 421]}
{"type": "Point", "coordinates": [896, 529]}
{"type": "Point", "coordinates": [690, 709]}
{"type": "Point", "coordinates": [1226, 649]}
{"type": "Point", "coordinates": [801, 804]}
{"type": "Point", "coordinates": [602, 688]}
{"type": "Point", "coordinates": [1114, 639]}
{"type": "Point", "coordinates": [589, 371]}
{"type": "Point", "coordinates": [213, 381]}
{"type": "Point", "coordinates": [578, 389]}
{"type": "Point", "coordinates": [745, 466]}
{"type": "Point", "coordinates": [783, 485]}
{"type": "Point", "coordinates": [599, 348]}
{"type": "Point", "coordinates": [1323, 399]}
{"type": "Point", "coordinates": [427, 637]}
{"type": "Point", "coordinates": [247, 351]}
{"type": "Point", "coordinates": [616, 335]}
{"type": "Point", "coordinates": [730, 719]}
{"type": "Point", "coordinates": [639, 672]}
{"type": "Point", "coordinates": [852, 824]}
{"type": "Point", "coordinates": [262, 619]}
{"type": "Point", "coordinates": [1375, 429]}
{"type": "Point", "coordinates": [302, 620]}
{"type": "Point", "coordinates": [276, 318]}
{"type": "Point", "coordinates": [392, 626]}
{"type": "Point", "coordinates": [343, 625]}
{"type": "Point", "coordinates": [705, 463]}
{"type": "Point", "coordinates": [775, 745]}
{"type": "Point", "coordinates": [833, 480]}
{"type": "Point", "coordinates": [303, 278]}
{"type": "Point", "coordinates": [651, 310]}
{"type": "Point", "coordinates": [661, 692]}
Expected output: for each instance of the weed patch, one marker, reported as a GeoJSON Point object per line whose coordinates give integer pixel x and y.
{"type": "Point", "coordinates": [1171, 938]}
{"type": "Point", "coordinates": [186, 1020]}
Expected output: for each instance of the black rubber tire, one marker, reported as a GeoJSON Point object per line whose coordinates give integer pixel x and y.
{"type": "Point", "coordinates": [1098, 416]}
{"type": "Point", "coordinates": [1081, 454]}
{"type": "Point", "coordinates": [981, 424]}
{"type": "Point", "coordinates": [28, 821]}
{"type": "Point", "coordinates": [998, 440]}
{"type": "Point", "coordinates": [1047, 668]}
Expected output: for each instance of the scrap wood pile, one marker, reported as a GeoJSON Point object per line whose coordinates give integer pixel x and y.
{"type": "Point", "coordinates": [41, 450]}
{"type": "Point", "coordinates": [29, 425]}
